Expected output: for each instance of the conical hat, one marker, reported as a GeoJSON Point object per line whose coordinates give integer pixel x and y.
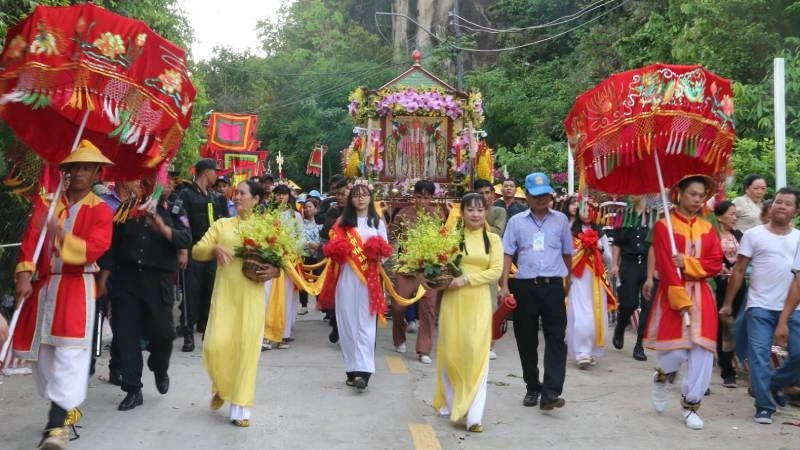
{"type": "Point", "coordinates": [86, 153]}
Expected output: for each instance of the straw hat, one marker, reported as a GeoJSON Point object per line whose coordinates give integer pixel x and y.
{"type": "Point", "coordinates": [86, 153]}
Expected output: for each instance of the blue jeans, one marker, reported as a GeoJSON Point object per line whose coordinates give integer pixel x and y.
{"type": "Point", "coordinates": [789, 373]}
{"type": "Point", "coordinates": [761, 325]}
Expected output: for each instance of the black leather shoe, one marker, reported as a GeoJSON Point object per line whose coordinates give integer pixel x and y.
{"type": "Point", "coordinates": [334, 336]}
{"type": "Point", "coordinates": [132, 400]}
{"type": "Point", "coordinates": [619, 337]}
{"type": "Point", "coordinates": [638, 353]}
{"type": "Point", "coordinates": [188, 341]}
{"type": "Point", "coordinates": [531, 399]}
{"type": "Point", "coordinates": [548, 404]}
{"type": "Point", "coordinates": [115, 377]}
{"type": "Point", "coordinates": [162, 382]}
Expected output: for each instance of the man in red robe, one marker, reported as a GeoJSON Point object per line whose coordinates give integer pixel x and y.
{"type": "Point", "coordinates": [56, 320]}
{"type": "Point", "coordinates": [683, 321]}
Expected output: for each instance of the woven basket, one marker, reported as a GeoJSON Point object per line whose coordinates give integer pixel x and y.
{"type": "Point", "coordinates": [441, 281]}
{"type": "Point", "coordinates": [253, 262]}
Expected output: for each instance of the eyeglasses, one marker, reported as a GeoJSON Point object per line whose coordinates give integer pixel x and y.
{"type": "Point", "coordinates": [362, 195]}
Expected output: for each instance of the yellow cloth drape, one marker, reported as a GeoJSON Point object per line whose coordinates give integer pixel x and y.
{"type": "Point", "coordinates": [275, 318]}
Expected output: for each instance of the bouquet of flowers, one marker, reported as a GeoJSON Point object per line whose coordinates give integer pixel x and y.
{"type": "Point", "coordinates": [430, 250]}
{"type": "Point", "coordinates": [267, 241]}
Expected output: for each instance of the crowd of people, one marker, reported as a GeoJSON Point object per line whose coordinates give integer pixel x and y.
{"type": "Point", "coordinates": [704, 283]}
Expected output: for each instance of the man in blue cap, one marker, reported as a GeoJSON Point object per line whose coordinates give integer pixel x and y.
{"type": "Point", "coordinates": [541, 241]}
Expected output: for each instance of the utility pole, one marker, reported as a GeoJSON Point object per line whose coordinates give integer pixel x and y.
{"type": "Point", "coordinates": [779, 87]}
{"type": "Point", "coordinates": [459, 56]}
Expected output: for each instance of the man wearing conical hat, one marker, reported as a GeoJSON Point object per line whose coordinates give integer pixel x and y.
{"type": "Point", "coordinates": [55, 323]}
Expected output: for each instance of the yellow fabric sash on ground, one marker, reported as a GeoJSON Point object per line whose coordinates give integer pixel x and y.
{"type": "Point", "coordinates": [275, 319]}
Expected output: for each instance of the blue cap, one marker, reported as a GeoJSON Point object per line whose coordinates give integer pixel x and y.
{"type": "Point", "coordinates": [315, 193]}
{"type": "Point", "coordinates": [537, 184]}
{"type": "Point", "coordinates": [301, 198]}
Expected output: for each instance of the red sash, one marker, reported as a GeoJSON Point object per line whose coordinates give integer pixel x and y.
{"type": "Point", "coordinates": [346, 247]}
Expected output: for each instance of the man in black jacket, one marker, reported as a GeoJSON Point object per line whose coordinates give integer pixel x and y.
{"type": "Point", "coordinates": [203, 206]}
{"type": "Point", "coordinates": [144, 258]}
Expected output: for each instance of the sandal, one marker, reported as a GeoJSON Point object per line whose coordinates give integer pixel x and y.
{"type": "Point", "coordinates": [350, 382]}
{"type": "Point", "coordinates": [216, 402]}
{"type": "Point", "coordinates": [475, 428]}
{"type": "Point", "coordinates": [243, 423]}
{"type": "Point", "coordinates": [283, 345]}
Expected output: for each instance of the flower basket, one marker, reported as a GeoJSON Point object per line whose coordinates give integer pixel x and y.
{"type": "Point", "coordinates": [267, 241]}
{"type": "Point", "coordinates": [254, 263]}
{"type": "Point", "coordinates": [441, 280]}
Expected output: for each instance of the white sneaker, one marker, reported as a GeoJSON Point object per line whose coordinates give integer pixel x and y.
{"type": "Point", "coordinates": [659, 394]}
{"type": "Point", "coordinates": [401, 348]}
{"type": "Point", "coordinates": [412, 327]}
{"type": "Point", "coordinates": [425, 359]}
{"type": "Point", "coordinates": [492, 355]}
{"type": "Point", "coordinates": [303, 311]}
{"type": "Point", "coordinates": [692, 419]}
{"type": "Point", "coordinates": [584, 363]}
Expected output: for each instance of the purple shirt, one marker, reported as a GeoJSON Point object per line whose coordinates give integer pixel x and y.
{"type": "Point", "coordinates": [522, 230]}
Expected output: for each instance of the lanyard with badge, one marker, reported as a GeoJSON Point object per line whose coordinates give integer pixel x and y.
{"type": "Point", "coordinates": [538, 237]}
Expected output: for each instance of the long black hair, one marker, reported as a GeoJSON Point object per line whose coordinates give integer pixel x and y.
{"type": "Point", "coordinates": [283, 189]}
{"type": "Point", "coordinates": [350, 217]}
{"type": "Point", "coordinates": [577, 225]}
{"type": "Point", "coordinates": [566, 204]}
{"type": "Point", "coordinates": [473, 199]}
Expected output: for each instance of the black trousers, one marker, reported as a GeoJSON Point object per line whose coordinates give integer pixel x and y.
{"type": "Point", "coordinates": [545, 301]}
{"type": "Point", "coordinates": [632, 275]}
{"type": "Point", "coordinates": [199, 285]}
{"type": "Point", "coordinates": [142, 308]}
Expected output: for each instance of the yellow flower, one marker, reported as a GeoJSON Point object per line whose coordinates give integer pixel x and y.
{"type": "Point", "coordinates": [140, 39]}
{"type": "Point", "coordinates": [427, 243]}
{"type": "Point", "coordinates": [170, 81]}
{"type": "Point", "coordinates": [110, 45]}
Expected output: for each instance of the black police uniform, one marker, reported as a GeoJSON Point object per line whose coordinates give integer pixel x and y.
{"type": "Point", "coordinates": [202, 209]}
{"type": "Point", "coordinates": [633, 245]}
{"type": "Point", "coordinates": [143, 262]}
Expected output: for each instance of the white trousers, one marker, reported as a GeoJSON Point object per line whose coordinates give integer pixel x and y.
{"type": "Point", "coordinates": [239, 412]}
{"type": "Point", "coordinates": [62, 374]}
{"type": "Point", "coordinates": [700, 363]}
{"type": "Point", "coordinates": [475, 412]}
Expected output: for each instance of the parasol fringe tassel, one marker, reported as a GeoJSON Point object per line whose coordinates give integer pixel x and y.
{"type": "Point", "coordinates": [107, 112]}
{"type": "Point", "coordinates": [13, 97]}
{"type": "Point", "coordinates": [132, 136]}
{"type": "Point", "coordinates": [143, 145]}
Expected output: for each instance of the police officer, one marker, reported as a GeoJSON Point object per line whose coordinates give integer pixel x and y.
{"type": "Point", "coordinates": [203, 206]}
{"type": "Point", "coordinates": [630, 265]}
{"type": "Point", "coordinates": [143, 260]}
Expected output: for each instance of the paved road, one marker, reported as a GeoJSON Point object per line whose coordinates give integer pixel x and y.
{"type": "Point", "coordinates": [302, 403]}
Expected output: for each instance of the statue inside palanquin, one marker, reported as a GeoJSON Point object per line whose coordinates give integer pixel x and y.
{"type": "Point", "coordinates": [416, 147]}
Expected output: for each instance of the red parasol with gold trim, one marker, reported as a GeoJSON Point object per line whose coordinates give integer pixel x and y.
{"type": "Point", "coordinates": [62, 67]}
{"type": "Point", "coordinates": [680, 116]}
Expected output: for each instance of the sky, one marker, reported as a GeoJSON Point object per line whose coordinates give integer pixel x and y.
{"type": "Point", "coordinates": [227, 23]}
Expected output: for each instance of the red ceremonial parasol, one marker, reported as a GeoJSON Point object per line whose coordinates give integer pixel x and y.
{"type": "Point", "coordinates": [75, 72]}
{"type": "Point", "coordinates": [639, 131]}
{"type": "Point", "coordinates": [681, 116]}
{"type": "Point", "coordinates": [62, 66]}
